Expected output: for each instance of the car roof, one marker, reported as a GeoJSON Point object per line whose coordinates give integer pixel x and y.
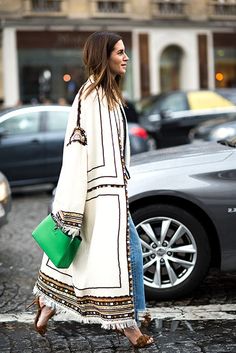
{"type": "Point", "coordinates": [14, 111]}
{"type": "Point", "coordinates": [197, 100]}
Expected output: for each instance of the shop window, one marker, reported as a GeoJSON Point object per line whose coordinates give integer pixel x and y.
{"type": "Point", "coordinates": [51, 66]}
{"type": "Point", "coordinates": [225, 67]}
{"type": "Point", "coordinates": [45, 78]}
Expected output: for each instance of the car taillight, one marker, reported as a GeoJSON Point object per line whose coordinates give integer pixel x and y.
{"type": "Point", "coordinates": [139, 131]}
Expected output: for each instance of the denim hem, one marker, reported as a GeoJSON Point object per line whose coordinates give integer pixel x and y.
{"type": "Point", "coordinates": [137, 270]}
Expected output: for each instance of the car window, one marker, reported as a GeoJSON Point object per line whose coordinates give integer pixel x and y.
{"type": "Point", "coordinates": [146, 105]}
{"type": "Point", "coordinates": [174, 102]}
{"type": "Point", "coordinates": [57, 120]}
{"type": "Point", "coordinates": [24, 123]}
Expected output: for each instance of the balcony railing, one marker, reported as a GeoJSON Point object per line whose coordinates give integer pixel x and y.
{"type": "Point", "coordinates": [222, 9]}
{"type": "Point", "coordinates": [169, 8]}
{"type": "Point", "coordinates": [112, 8]}
{"type": "Point", "coordinates": [44, 7]}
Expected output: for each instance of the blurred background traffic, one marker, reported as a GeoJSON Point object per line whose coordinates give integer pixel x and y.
{"type": "Point", "coordinates": [182, 72]}
{"type": "Point", "coordinates": [180, 89]}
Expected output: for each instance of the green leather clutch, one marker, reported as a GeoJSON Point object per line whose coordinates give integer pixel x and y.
{"type": "Point", "coordinates": [59, 247]}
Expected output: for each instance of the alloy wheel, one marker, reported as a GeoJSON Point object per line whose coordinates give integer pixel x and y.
{"type": "Point", "coordinates": [169, 252]}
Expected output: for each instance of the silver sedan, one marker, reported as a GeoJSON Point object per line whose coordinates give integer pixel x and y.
{"type": "Point", "coordinates": [183, 203]}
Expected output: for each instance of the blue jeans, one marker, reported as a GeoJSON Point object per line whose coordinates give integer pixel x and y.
{"type": "Point", "coordinates": [136, 258]}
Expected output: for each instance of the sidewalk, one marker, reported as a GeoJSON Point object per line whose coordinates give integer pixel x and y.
{"type": "Point", "coordinates": [182, 336]}
{"type": "Point", "coordinates": [204, 322]}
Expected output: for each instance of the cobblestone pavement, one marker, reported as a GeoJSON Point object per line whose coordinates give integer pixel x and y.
{"type": "Point", "coordinates": [19, 262]}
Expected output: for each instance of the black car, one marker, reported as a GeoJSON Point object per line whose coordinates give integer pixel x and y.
{"type": "Point", "coordinates": [31, 143]}
{"type": "Point", "coordinates": [169, 117]}
{"type": "Point", "coordinates": [228, 93]}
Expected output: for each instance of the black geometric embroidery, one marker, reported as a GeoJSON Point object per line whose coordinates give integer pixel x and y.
{"type": "Point", "coordinates": [78, 135]}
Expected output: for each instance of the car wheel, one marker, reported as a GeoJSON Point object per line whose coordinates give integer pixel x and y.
{"type": "Point", "coordinates": [176, 251]}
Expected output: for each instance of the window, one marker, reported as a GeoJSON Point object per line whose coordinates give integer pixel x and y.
{"type": "Point", "coordinates": [174, 102]}
{"type": "Point", "coordinates": [169, 7]}
{"type": "Point", "coordinates": [225, 66]}
{"type": "Point", "coordinates": [171, 68]}
{"type": "Point", "coordinates": [223, 7]}
{"type": "Point", "coordinates": [57, 121]}
{"type": "Point", "coordinates": [46, 5]}
{"type": "Point", "coordinates": [110, 6]}
{"type": "Point", "coordinates": [26, 123]}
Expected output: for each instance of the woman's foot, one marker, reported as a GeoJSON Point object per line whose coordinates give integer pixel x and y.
{"type": "Point", "coordinates": [43, 315]}
{"type": "Point", "coordinates": [136, 338]}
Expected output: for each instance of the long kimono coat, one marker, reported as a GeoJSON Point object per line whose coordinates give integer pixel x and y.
{"type": "Point", "coordinates": [91, 200]}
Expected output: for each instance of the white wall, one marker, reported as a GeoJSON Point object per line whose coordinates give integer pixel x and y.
{"type": "Point", "coordinates": [186, 39]}
{"type": "Point", "coordinates": [136, 66]}
{"type": "Point", "coordinates": [10, 67]}
{"type": "Point", "coordinates": [211, 61]}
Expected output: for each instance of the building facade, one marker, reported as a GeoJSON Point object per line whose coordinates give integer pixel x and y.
{"type": "Point", "coordinates": [172, 44]}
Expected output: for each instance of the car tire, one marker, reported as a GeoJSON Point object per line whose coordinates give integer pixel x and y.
{"type": "Point", "coordinates": [171, 274]}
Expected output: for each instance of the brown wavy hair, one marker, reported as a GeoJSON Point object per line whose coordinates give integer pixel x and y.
{"type": "Point", "coordinates": [97, 51]}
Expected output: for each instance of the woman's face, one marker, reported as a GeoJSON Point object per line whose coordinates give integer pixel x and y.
{"type": "Point", "coordinates": [118, 59]}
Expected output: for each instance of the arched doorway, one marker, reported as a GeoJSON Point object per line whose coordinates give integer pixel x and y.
{"type": "Point", "coordinates": [170, 68]}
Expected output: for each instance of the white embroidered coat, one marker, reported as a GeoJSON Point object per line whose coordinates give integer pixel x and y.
{"type": "Point", "coordinates": [91, 199]}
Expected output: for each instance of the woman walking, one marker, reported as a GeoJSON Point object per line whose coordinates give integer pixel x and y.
{"type": "Point", "coordinates": [104, 283]}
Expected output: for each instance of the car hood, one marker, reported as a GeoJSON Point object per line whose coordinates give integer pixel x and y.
{"type": "Point", "coordinates": [180, 156]}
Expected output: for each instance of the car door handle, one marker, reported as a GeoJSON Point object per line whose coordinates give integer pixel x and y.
{"type": "Point", "coordinates": [36, 141]}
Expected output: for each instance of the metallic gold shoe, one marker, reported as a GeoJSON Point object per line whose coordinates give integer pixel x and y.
{"type": "Point", "coordinates": [143, 341]}
{"type": "Point", "coordinates": [43, 328]}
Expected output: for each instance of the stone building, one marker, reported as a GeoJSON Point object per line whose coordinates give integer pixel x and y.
{"type": "Point", "coordinates": [172, 44]}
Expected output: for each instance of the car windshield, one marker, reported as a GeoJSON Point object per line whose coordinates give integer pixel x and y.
{"type": "Point", "coordinates": [172, 101]}
{"type": "Point", "coordinates": [228, 142]}
{"type": "Point", "coordinates": [145, 105]}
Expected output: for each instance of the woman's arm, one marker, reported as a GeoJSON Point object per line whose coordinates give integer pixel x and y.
{"type": "Point", "coordinates": [69, 201]}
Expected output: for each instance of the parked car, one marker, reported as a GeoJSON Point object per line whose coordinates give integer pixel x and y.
{"type": "Point", "coordinates": [169, 117]}
{"type": "Point", "coordinates": [214, 130]}
{"type": "Point", "coordinates": [183, 203]}
{"type": "Point", "coordinates": [5, 199]}
{"type": "Point", "coordinates": [31, 143]}
{"type": "Point", "coordinates": [228, 93]}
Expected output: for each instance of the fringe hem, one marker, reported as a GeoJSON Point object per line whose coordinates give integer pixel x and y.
{"type": "Point", "coordinates": [60, 309]}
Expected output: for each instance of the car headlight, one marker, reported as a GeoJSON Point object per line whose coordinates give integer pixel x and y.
{"type": "Point", "coordinates": [222, 133]}
{"type": "Point", "coordinates": [4, 190]}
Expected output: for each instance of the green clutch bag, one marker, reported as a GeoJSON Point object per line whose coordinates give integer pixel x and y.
{"type": "Point", "coordinates": [59, 247]}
